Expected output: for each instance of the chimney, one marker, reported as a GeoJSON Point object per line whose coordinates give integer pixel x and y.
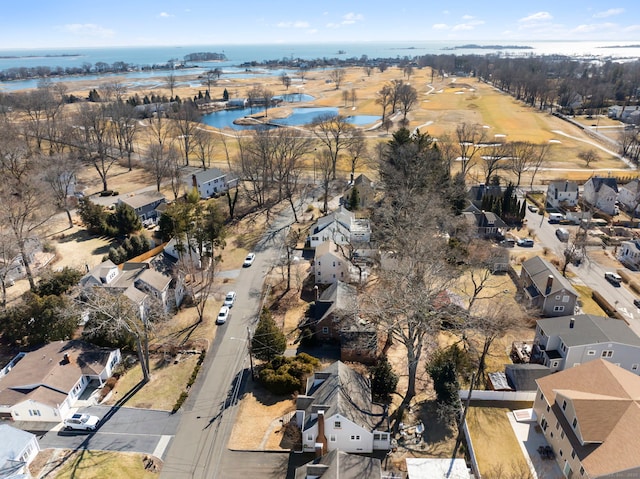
{"type": "Point", "coordinates": [572, 323]}
{"type": "Point", "coordinates": [194, 181]}
{"type": "Point", "coordinates": [321, 441]}
{"type": "Point", "coordinates": [549, 284]}
{"type": "Point", "coordinates": [65, 360]}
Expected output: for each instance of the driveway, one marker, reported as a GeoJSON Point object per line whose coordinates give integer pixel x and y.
{"type": "Point", "coordinates": [121, 429]}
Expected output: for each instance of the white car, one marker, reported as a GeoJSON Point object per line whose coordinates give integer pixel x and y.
{"type": "Point", "coordinates": [248, 261]}
{"type": "Point", "coordinates": [229, 299]}
{"type": "Point", "coordinates": [223, 315]}
{"type": "Point", "coordinates": [82, 422]}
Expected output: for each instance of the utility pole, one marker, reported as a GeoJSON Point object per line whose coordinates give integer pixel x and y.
{"type": "Point", "coordinates": [250, 355]}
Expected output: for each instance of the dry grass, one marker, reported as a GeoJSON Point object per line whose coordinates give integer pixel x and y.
{"type": "Point", "coordinates": [494, 441]}
{"type": "Point", "coordinates": [589, 306]}
{"type": "Point", "coordinates": [167, 381]}
{"type": "Point", "coordinates": [85, 464]}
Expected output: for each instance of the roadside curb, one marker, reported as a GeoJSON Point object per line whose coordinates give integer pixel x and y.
{"type": "Point", "coordinates": [273, 451]}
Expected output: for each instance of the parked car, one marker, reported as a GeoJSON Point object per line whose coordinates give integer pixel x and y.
{"type": "Point", "coordinates": [532, 208]}
{"type": "Point", "coordinates": [248, 261]}
{"type": "Point", "coordinates": [613, 278]}
{"type": "Point", "coordinates": [223, 315]}
{"type": "Point", "coordinates": [81, 422]}
{"type": "Point", "coordinates": [563, 234]}
{"type": "Point", "coordinates": [636, 303]}
{"type": "Point", "coordinates": [508, 243]}
{"type": "Point", "coordinates": [555, 218]}
{"type": "Point", "coordinates": [525, 243]}
{"type": "Point", "coordinates": [229, 299]}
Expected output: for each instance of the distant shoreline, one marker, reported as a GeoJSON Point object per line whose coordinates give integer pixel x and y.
{"type": "Point", "coordinates": [59, 55]}
{"type": "Point", "coordinates": [473, 46]}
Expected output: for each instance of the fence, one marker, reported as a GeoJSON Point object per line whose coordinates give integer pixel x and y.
{"type": "Point", "coordinates": [529, 396]}
{"type": "Point", "coordinates": [472, 453]}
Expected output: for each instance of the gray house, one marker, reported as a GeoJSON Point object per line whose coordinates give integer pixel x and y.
{"type": "Point", "coordinates": [562, 193]}
{"type": "Point", "coordinates": [341, 464]}
{"type": "Point", "coordinates": [145, 204]}
{"type": "Point", "coordinates": [546, 289]}
{"type": "Point", "coordinates": [568, 341]}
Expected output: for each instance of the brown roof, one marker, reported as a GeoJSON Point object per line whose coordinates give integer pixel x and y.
{"type": "Point", "coordinates": [606, 399]}
{"type": "Point", "coordinates": [44, 374]}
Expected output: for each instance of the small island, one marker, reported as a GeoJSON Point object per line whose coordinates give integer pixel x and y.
{"type": "Point", "coordinates": [473, 46]}
{"type": "Point", "coordinates": [204, 57]}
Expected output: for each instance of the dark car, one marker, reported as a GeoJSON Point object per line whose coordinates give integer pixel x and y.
{"type": "Point", "coordinates": [525, 243]}
{"type": "Point", "coordinates": [636, 303]}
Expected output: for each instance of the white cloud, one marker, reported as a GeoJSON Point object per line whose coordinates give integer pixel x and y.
{"type": "Point", "coordinates": [467, 17]}
{"type": "Point", "coordinates": [608, 13]}
{"type": "Point", "coordinates": [594, 27]}
{"type": "Point", "coordinates": [296, 24]}
{"type": "Point", "coordinates": [461, 27]}
{"type": "Point", "coordinates": [440, 26]}
{"type": "Point", "coordinates": [536, 17]}
{"type": "Point", "coordinates": [351, 18]}
{"type": "Point", "coordinates": [87, 29]}
{"type": "Point", "coordinates": [165, 15]}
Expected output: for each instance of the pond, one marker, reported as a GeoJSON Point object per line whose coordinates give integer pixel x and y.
{"type": "Point", "coordinates": [299, 116]}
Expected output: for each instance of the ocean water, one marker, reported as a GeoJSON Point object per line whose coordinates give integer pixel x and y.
{"type": "Point", "coordinates": [240, 54]}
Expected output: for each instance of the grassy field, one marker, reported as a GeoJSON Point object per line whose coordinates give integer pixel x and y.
{"type": "Point", "coordinates": [85, 464]}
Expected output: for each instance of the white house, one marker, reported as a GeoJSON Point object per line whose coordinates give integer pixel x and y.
{"type": "Point", "coordinates": [210, 182]}
{"type": "Point", "coordinates": [629, 196]}
{"type": "Point", "coordinates": [601, 193]}
{"type": "Point", "coordinates": [330, 264]}
{"type": "Point", "coordinates": [568, 341]}
{"type": "Point", "coordinates": [562, 193]}
{"type": "Point", "coordinates": [17, 449]}
{"type": "Point", "coordinates": [337, 412]}
{"type": "Point", "coordinates": [629, 254]}
{"type": "Point", "coordinates": [45, 383]}
{"type": "Point", "coordinates": [342, 227]}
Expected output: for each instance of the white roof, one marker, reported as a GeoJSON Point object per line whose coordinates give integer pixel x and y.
{"type": "Point", "coordinates": [422, 468]}
{"type": "Point", "coordinates": [13, 443]}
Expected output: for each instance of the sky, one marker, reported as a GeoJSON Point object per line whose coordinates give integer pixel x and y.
{"type": "Point", "coordinates": [82, 23]}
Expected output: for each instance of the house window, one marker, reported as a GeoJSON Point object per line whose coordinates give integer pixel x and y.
{"type": "Point", "coordinates": [309, 437]}
{"type": "Point", "coordinates": [558, 298]}
{"type": "Point", "coordinates": [554, 364]}
{"type": "Point", "coordinates": [564, 405]}
{"type": "Point", "coordinates": [607, 353]}
{"type": "Point", "coordinates": [544, 424]}
{"type": "Point", "coordinates": [558, 308]}
{"type": "Point", "coordinates": [337, 425]}
{"type": "Point", "coordinates": [541, 396]}
{"type": "Point", "coordinates": [355, 438]}
{"type": "Point", "coordinates": [575, 422]}
{"type": "Point", "coordinates": [561, 453]}
{"type": "Point", "coordinates": [562, 435]}
{"type": "Point", "coordinates": [552, 434]}
{"type": "Point", "coordinates": [332, 438]}
{"type": "Point", "coordinates": [380, 436]}
{"type": "Point", "coordinates": [34, 412]}
{"type": "Point", "coordinates": [557, 425]}
{"type": "Point", "coordinates": [591, 352]}
{"type": "Point", "coordinates": [634, 367]}
{"type": "Point", "coordinates": [548, 408]}
{"type": "Point", "coordinates": [582, 471]}
{"type": "Point", "coordinates": [573, 454]}
{"type": "Point", "coordinates": [565, 299]}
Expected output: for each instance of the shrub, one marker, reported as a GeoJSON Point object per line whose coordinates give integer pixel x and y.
{"type": "Point", "coordinates": [284, 376]}
{"type": "Point", "coordinates": [383, 379]}
{"type": "Point", "coordinates": [183, 397]}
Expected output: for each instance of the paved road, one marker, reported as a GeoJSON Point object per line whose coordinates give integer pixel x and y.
{"type": "Point", "coordinates": [121, 429]}
{"type": "Point", "coordinates": [199, 449]}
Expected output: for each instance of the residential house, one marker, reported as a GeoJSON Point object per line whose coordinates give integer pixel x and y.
{"type": "Point", "coordinates": [337, 412]}
{"type": "Point", "coordinates": [563, 193]}
{"type": "Point", "coordinates": [601, 193]}
{"type": "Point", "coordinates": [433, 468]}
{"type": "Point", "coordinates": [546, 289]}
{"type": "Point", "coordinates": [366, 192]}
{"type": "Point", "coordinates": [629, 197]}
{"type": "Point", "coordinates": [17, 449]}
{"type": "Point", "coordinates": [478, 192]}
{"type": "Point", "coordinates": [590, 416]}
{"type": "Point", "coordinates": [339, 464]}
{"type": "Point", "coordinates": [335, 319]}
{"type": "Point", "coordinates": [629, 254]}
{"type": "Point", "coordinates": [522, 377]}
{"type": "Point", "coordinates": [136, 280]}
{"type": "Point", "coordinates": [44, 384]}
{"type": "Point", "coordinates": [485, 224]}
{"type": "Point", "coordinates": [342, 227]}
{"type": "Point", "coordinates": [331, 265]}
{"type": "Point", "coordinates": [626, 114]}
{"type": "Point", "coordinates": [145, 204]}
{"type": "Point", "coordinates": [565, 342]}
{"type": "Point", "coordinates": [211, 182]}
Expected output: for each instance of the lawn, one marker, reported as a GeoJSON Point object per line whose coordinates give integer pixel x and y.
{"type": "Point", "coordinates": [494, 442]}
{"type": "Point", "coordinates": [83, 464]}
{"type": "Point", "coordinates": [589, 306]}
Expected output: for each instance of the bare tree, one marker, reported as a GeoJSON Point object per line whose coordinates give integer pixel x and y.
{"type": "Point", "coordinates": [285, 80]}
{"type": "Point", "coordinates": [357, 149]}
{"type": "Point", "coordinates": [334, 133]}
{"type": "Point", "coordinates": [353, 96]}
{"type": "Point", "coordinates": [267, 98]}
{"type": "Point", "coordinates": [125, 128]}
{"type": "Point", "coordinates": [407, 96]}
{"type": "Point", "coordinates": [588, 156]}
{"type": "Point", "coordinates": [538, 160]}
{"type": "Point", "coordinates": [113, 315]}
{"type": "Point", "coordinates": [522, 156]}
{"type": "Point", "coordinates": [325, 168]}
{"type": "Point", "coordinates": [384, 98]}
{"type": "Point", "coordinates": [337, 77]}
{"type": "Point", "coordinates": [470, 139]}
{"type": "Point", "coordinates": [203, 146]}
{"type": "Point", "coordinates": [408, 71]}
{"type": "Point", "coordinates": [60, 175]}
{"type": "Point", "coordinates": [208, 79]}
{"type": "Point", "coordinates": [494, 159]}
{"type": "Point", "coordinates": [8, 252]}
{"type": "Point", "coordinates": [171, 81]}
{"type": "Point", "coordinates": [187, 122]}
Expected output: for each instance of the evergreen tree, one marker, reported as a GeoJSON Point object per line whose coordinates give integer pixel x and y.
{"type": "Point", "coordinates": [92, 215]}
{"type": "Point", "coordinates": [383, 379]}
{"type": "Point", "coordinates": [125, 220]}
{"type": "Point", "coordinates": [225, 95]}
{"type": "Point", "coordinates": [268, 340]}
{"type": "Point", "coordinates": [354, 199]}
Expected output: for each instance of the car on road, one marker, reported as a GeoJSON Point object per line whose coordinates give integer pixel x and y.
{"type": "Point", "coordinates": [508, 243]}
{"type": "Point", "coordinates": [525, 243]}
{"type": "Point", "coordinates": [636, 303]}
{"type": "Point", "coordinates": [81, 422]}
{"type": "Point", "coordinates": [223, 315]}
{"type": "Point", "coordinates": [613, 278]}
{"type": "Point", "coordinates": [532, 208]}
{"type": "Point", "coordinates": [229, 299]}
{"type": "Point", "coordinates": [248, 261]}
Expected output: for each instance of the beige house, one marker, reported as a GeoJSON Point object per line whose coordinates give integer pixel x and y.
{"type": "Point", "coordinates": [330, 264]}
{"type": "Point", "coordinates": [590, 416]}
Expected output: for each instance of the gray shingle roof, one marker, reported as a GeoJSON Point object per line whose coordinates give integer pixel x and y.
{"type": "Point", "coordinates": [539, 270]}
{"type": "Point", "coordinates": [341, 465]}
{"type": "Point", "coordinates": [589, 329]}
